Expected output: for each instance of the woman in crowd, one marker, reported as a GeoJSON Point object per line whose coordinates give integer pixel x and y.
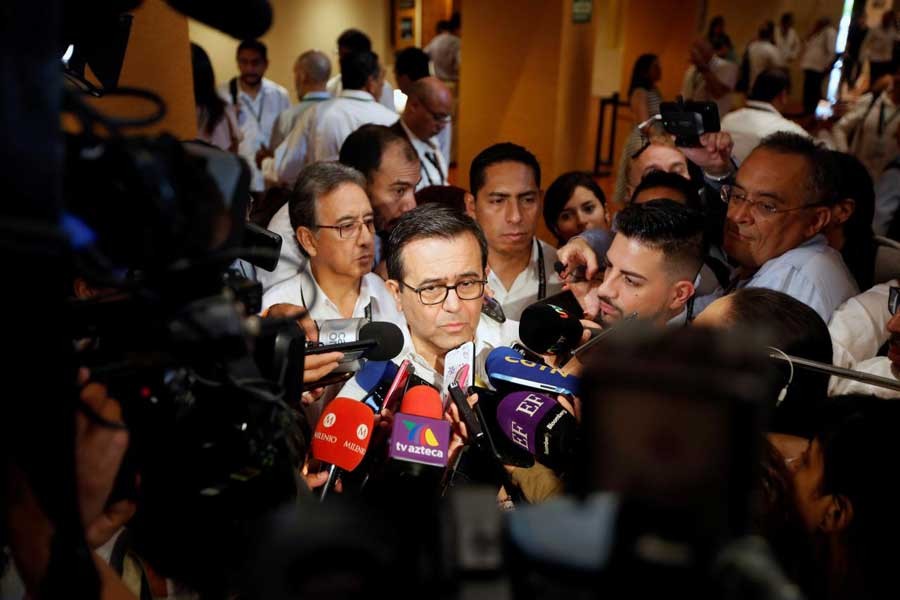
{"type": "Point", "coordinates": [216, 121]}
{"type": "Point", "coordinates": [643, 95]}
{"type": "Point", "coordinates": [574, 202]}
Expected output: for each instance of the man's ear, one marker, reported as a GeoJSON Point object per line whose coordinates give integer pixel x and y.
{"type": "Point", "coordinates": [393, 287]}
{"type": "Point", "coordinates": [307, 240]}
{"type": "Point", "coordinates": [470, 204]}
{"type": "Point", "coordinates": [843, 210]}
{"type": "Point", "coordinates": [821, 219]}
{"type": "Point", "coordinates": [681, 293]}
{"type": "Point", "coordinates": [838, 514]}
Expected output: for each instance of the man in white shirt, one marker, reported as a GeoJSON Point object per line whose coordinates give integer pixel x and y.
{"type": "Point", "coordinates": [859, 328]}
{"type": "Point", "coordinates": [818, 55]}
{"type": "Point", "coordinates": [411, 65]}
{"type": "Point", "coordinates": [506, 202]}
{"type": "Point", "coordinates": [444, 49]}
{"type": "Point", "coordinates": [426, 114]}
{"type": "Point", "coordinates": [709, 78]}
{"type": "Point", "coordinates": [258, 102]}
{"type": "Point", "coordinates": [868, 131]}
{"type": "Point", "coordinates": [762, 53]}
{"type": "Point", "coordinates": [363, 80]}
{"type": "Point", "coordinates": [334, 228]}
{"type": "Point", "coordinates": [311, 73]}
{"type": "Point", "coordinates": [786, 39]}
{"type": "Point", "coordinates": [351, 42]}
{"type": "Point", "coordinates": [761, 116]}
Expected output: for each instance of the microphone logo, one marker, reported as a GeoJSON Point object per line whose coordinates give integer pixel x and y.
{"type": "Point", "coordinates": [329, 420]}
{"type": "Point", "coordinates": [362, 432]}
{"type": "Point", "coordinates": [562, 313]}
{"type": "Point", "coordinates": [420, 434]}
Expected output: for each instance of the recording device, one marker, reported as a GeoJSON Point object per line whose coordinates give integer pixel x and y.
{"type": "Point", "coordinates": [357, 339]}
{"type": "Point", "coordinates": [398, 387]}
{"type": "Point", "coordinates": [540, 425]}
{"type": "Point", "coordinates": [687, 121]}
{"type": "Point", "coordinates": [508, 371]}
{"type": "Point", "coordinates": [459, 366]}
{"type": "Point", "coordinates": [342, 437]}
{"type": "Point", "coordinates": [493, 309]}
{"type": "Point", "coordinates": [420, 434]}
{"type": "Point", "coordinates": [549, 328]}
{"type": "Point", "coordinates": [263, 244]}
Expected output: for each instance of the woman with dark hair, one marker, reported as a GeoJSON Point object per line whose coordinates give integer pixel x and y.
{"type": "Point", "coordinates": [216, 120]}
{"type": "Point", "coordinates": [850, 230]}
{"type": "Point", "coordinates": [643, 94]}
{"type": "Point", "coordinates": [717, 37]}
{"type": "Point", "coordinates": [574, 202]}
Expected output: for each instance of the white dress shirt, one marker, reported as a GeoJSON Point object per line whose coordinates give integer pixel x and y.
{"type": "Point", "coordinates": [788, 44]}
{"type": "Point", "coordinates": [289, 117]}
{"type": "Point", "coordinates": [874, 124]}
{"type": "Point", "coordinates": [858, 329]}
{"type": "Point", "coordinates": [819, 51]}
{"type": "Point", "coordinates": [432, 162]}
{"type": "Point", "coordinates": [256, 118]}
{"type": "Point", "coordinates": [335, 86]}
{"type": "Point", "coordinates": [444, 52]}
{"type": "Point", "coordinates": [338, 118]}
{"type": "Point", "coordinates": [694, 85]}
{"type": "Point", "coordinates": [887, 200]}
{"type": "Point", "coordinates": [524, 290]}
{"type": "Point", "coordinates": [763, 55]}
{"type": "Point", "coordinates": [749, 125]}
{"type": "Point", "coordinates": [293, 153]}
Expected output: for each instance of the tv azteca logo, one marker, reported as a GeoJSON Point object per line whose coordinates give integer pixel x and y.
{"type": "Point", "coordinates": [418, 433]}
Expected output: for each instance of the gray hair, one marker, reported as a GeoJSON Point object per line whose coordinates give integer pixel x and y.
{"type": "Point", "coordinates": [313, 182]}
{"type": "Point", "coordinates": [316, 65]}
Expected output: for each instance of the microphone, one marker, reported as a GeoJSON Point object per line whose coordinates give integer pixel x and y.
{"type": "Point", "coordinates": [507, 370]}
{"type": "Point", "coordinates": [420, 435]}
{"type": "Point", "coordinates": [377, 341]}
{"type": "Point", "coordinates": [539, 424]}
{"type": "Point", "coordinates": [342, 437]}
{"type": "Point", "coordinates": [549, 328]}
{"type": "Point", "coordinates": [241, 20]}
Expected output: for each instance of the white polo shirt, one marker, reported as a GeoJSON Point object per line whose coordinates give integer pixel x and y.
{"type": "Point", "coordinates": [338, 118]}
{"type": "Point", "coordinates": [693, 87]}
{"type": "Point", "coordinates": [524, 289]}
{"type": "Point", "coordinates": [749, 125]}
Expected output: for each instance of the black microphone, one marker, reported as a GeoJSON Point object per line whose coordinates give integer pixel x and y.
{"type": "Point", "coordinates": [549, 328]}
{"type": "Point", "coordinates": [245, 20]}
{"type": "Point", "coordinates": [376, 341]}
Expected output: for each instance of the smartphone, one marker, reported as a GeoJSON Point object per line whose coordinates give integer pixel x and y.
{"type": "Point", "coordinates": [459, 366]}
{"type": "Point", "coordinates": [493, 309]}
{"type": "Point", "coordinates": [398, 387]}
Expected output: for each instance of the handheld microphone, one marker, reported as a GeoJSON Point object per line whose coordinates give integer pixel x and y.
{"type": "Point", "coordinates": [420, 435]}
{"type": "Point", "coordinates": [342, 437]}
{"type": "Point", "coordinates": [378, 341]}
{"type": "Point", "coordinates": [539, 424]}
{"type": "Point", "coordinates": [549, 328]}
{"type": "Point", "coordinates": [507, 370]}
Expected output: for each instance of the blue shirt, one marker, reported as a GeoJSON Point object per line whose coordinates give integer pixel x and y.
{"type": "Point", "coordinates": [813, 273]}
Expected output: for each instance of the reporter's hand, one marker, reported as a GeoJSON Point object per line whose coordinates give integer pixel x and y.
{"type": "Point", "coordinates": [578, 252]}
{"type": "Point", "coordinates": [585, 293]}
{"type": "Point", "coordinates": [315, 366]}
{"type": "Point", "coordinates": [262, 154]}
{"type": "Point", "coordinates": [714, 154]}
{"type": "Point", "coordinates": [459, 435]}
{"type": "Point", "coordinates": [105, 526]}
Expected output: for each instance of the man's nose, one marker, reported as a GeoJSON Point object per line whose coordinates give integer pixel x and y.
{"type": "Point", "coordinates": [513, 213]}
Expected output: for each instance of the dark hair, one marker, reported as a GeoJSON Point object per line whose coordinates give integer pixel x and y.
{"type": "Point", "coordinates": [205, 94]}
{"type": "Point", "coordinates": [314, 181]}
{"type": "Point", "coordinates": [354, 41]}
{"type": "Point", "coordinates": [787, 19]}
{"type": "Point", "coordinates": [769, 84]}
{"type": "Point", "coordinates": [853, 181]}
{"type": "Point", "coordinates": [446, 195]}
{"type": "Point", "coordinates": [254, 45]}
{"type": "Point", "coordinates": [658, 179]}
{"type": "Point", "coordinates": [717, 21]}
{"type": "Point", "coordinates": [767, 30]}
{"type": "Point", "coordinates": [364, 148]}
{"type": "Point", "coordinates": [640, 73]}
{"type": "Point", "coordinates": [795, 329]}
{"type": "Point", "coordinates": [412, 62]}
{"type": "Point", "coordinates": [672, 228]}
{"type": "Point", "coordinates": [429, 221]}
{"type": "Point", "coordinates": [820, 184]}
{"type": "Point", "coordinates": [443, 25]}
{"type": "Point", "coordinates": [500, 153]}
{"type": "Point", "coordinates": [357, 67]}
{"type": "Point", "coordinates": [561, 190]}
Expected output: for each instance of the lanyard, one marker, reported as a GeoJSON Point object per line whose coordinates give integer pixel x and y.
{"type": "Point", "coordinates": [542, 273]}
{"type": "Point", "coordinates": [262, 106]}
{"type": "Point", "coordinates": [434, 162]}
{"type": "Point", "coordinates": [881, 122]}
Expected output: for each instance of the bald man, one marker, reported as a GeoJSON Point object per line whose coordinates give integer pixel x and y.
{"type": "Point", "coordinates": [427, 113]}
{"type": "Point", "coordinates": [311, 72]}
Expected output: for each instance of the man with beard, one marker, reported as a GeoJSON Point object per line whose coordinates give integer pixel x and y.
{"type": "Point", "coordinates": [652, 265]}
{"type": "Point", "coordinates": [258, 102]}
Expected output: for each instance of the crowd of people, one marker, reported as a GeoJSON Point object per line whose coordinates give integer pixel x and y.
{"type": "Point", "coordinates": [709, 279]}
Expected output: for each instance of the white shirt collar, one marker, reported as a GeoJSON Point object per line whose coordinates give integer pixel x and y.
{"type": "Point", "coordinates": [319, 95]}
{"type": "Point", "coordinates": [420, 145]}
{"type": "Point", "coordinates": [357, 95]}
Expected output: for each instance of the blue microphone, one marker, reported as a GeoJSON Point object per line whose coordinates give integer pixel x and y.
{"type": "Point", "coordinates": [507, 370]}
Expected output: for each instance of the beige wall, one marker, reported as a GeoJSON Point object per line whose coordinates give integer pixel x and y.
{"type": "Point", "coordinates": [300, 25]}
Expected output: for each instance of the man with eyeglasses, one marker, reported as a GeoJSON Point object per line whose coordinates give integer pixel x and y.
{"type": "Point", "coordinates": [436, 263]}
{"type": "Point", "coordinates": [859, 328]}
{"type": "Point", "coordinates": [427, 113]}
{"type": "Point", "coordinates": [334, 228]}
{"type": "Point", "coordinates": [777, 209]}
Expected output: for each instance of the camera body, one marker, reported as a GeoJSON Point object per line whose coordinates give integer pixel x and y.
{"type": "Point", "coordinates": [687, 121]}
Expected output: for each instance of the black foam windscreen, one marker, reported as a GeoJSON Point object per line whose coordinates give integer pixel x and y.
{"type": "Point", "coordinates": [245, 20]}
{"type": "Point", "coordinates": [388, 340]}
{"type": "Point", "coordinates": [546, 327]}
